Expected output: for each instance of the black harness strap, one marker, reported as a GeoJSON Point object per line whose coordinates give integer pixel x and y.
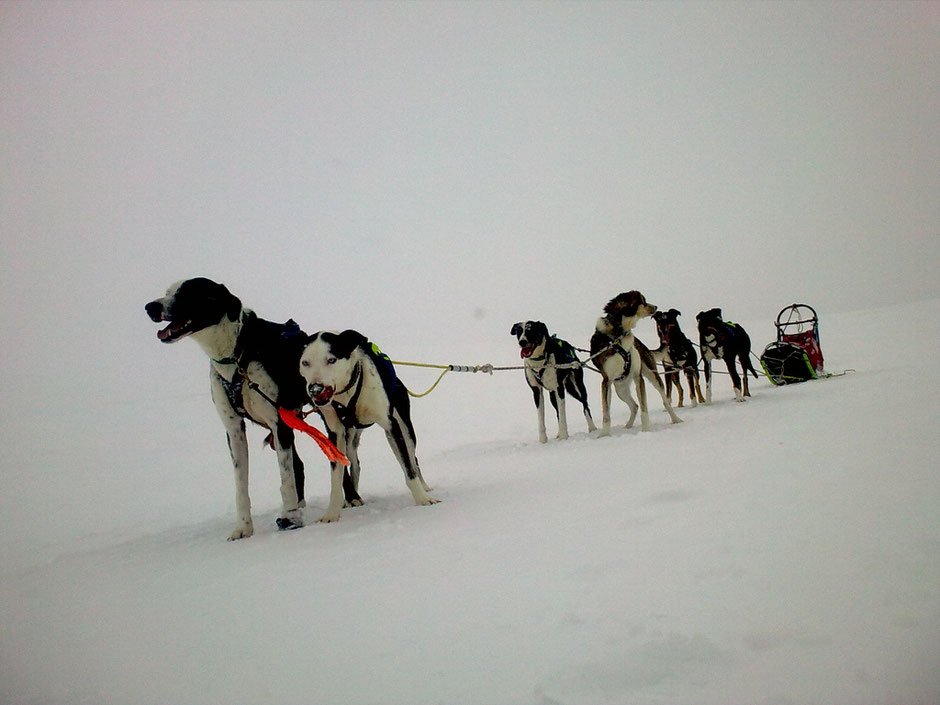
{"type": "Point", "coordinates": [627, 359]}
{"type": "Point", "coordinates": [347, 412]}
{"type": "Point", "coordinates": [233, 390]}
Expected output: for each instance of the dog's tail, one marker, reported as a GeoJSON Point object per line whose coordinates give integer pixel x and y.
{"type": "Point", "coordinates": [748, 365]}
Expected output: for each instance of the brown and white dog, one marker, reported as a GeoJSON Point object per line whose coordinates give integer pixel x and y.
{"type": "Point", "coordinates": [677, 353]}
{"type": "Point", "coordinates": [624, 361]}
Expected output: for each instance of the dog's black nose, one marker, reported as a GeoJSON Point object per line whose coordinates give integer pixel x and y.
{"type": "Point", "coordinates": [155, 311]}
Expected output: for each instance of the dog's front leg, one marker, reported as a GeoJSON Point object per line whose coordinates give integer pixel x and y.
{"type": "Point", "coordinates": [238, 446]}
{"type": "Point", "coordinates": [337, 496]}
{"type": "Point", "coordinates": [291, 515]}
{"type": "Point", "coordinates": [678, 384]}
{"type": "Point", "coordinates": [693, 387]}
{"type": "Point", "coordinates": [337, 434]}
{"type": "Point", "coordinates": [539, 395]}
{"type": "Point", "coordinates": [352, 499]}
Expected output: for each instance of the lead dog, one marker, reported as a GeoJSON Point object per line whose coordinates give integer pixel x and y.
{"type": "Point", "coordinates": [239, 343]}
{"type": "Point", "coordinates": [542, 354]}
{"type": "Point", "coordinates": [676, 352]}
{"type": "Point", "coordinates": [353, 386]}
{"type": "Point", "coordinates": [721, 340]}
{"type": "Point", "coordinates": [623, 360]}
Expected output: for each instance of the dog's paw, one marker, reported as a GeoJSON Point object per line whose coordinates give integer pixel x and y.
{"type": "Point", "coordinates": [428, 500]}
{"type": "Point", "coordinates": [562, 436]}
{"type": "Point", "coordinates": [354, 503]}
{"type": "Point", "coordinates": [329, 518]}
{"type": "Point", "coordinates": [242, 531]}
{"type": "Point", "coordinates": [543, 439]}
{"type": "Point", "coordinates": [603, 433]}
{"type": "Point", "coordinates": [288, 523]}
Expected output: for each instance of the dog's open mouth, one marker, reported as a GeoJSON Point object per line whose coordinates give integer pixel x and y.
{"type": "Point", "coordinates": [527, 351]}
{"type": "Point", "coordinates": [175, 331]}
{"type": "Point", "coordinates": [323, 396]}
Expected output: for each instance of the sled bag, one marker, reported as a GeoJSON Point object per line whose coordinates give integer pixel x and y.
{"type": "Point", "coordinates": [786, 363]}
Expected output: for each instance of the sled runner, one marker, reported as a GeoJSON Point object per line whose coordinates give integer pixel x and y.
{"type": "Point", "coordinates": [796, 356]}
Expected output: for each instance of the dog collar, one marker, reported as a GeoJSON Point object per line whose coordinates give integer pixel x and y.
{"type": "Point", "coordinates": [352, 380]}
{"type": "Point", "coordinates": [235, 357]}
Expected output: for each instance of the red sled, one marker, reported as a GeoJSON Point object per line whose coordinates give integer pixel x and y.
{"type": "Point", "coordinates": [796, 356]}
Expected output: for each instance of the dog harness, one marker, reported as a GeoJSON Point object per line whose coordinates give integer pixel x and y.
{"type": "Point", "coordinates": [565, 354]}
{"type": "Point", "coordinates": [720, 338]}
{"type": "Point", "coordinates": [347, 412]}
{"type": "Point", "coordinates": [627, 359]}
{"type": "Point", "coordinates": [383, 365]}
{"type": "Point", "coordinates": [233, 390]}
{"type": "Point", "coordinates": [240, 357]}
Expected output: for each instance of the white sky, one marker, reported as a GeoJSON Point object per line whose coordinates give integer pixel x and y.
{"type": "Point", "coordinates": [440, 170]}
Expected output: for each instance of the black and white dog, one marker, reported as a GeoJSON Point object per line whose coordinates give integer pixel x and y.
{"type": "Point", "coordinates": [624, 361]}
{"type": "Point", "coordinates": [677, 353]}
{"type": "Point", "coordinates": [239, 345]}
{"type": "Point", "coordinates": [353, 386]}
{"type": "Point", "coordinates": [722, 340]}
{"type": "Point", "coordinates": [542, 354]}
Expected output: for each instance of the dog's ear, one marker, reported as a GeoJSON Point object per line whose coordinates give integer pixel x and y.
{"type": "Point", "coordinates": [215, 294]}
{"type": "Point", "coordinates": [542, 327]}
{"type": "Point", "coordinates": [234, 308]}
{"type": "Point", "coordinates": [347, 341]}
{"type": "Point", "coordinates": [698, 316]}
{"type": "Point", "coordinates": [675, 312]}
{"type": "Point", "coordinates": [716, 311]}
{"type": "Point", "coordinates": [516, 328]}
{"type": "Point", "coordinates": [232, 304]}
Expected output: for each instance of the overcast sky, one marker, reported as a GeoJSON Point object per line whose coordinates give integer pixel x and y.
{"type": "Point", "coordinates": [441, 170]}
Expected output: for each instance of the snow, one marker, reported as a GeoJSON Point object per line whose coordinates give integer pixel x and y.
{"type": "Point", "coordinates": [783, 550]}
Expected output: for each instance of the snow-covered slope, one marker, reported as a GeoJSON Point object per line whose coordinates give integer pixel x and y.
{"type": "Point", "coordinates": [784, 550]}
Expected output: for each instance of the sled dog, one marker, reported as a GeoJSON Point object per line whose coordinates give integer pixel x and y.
{"type": "Point", "coordinates": [239, 344]}
{"type": "Point", "coordinates": [624, 361]}
{"type": "Point", "coordinates": [353, 385]}
{"type": "Point", "coordinates": [541, 354]}
{"type": "Point", "coordinates": [722, 340]}
{"type": "Point", "coordinates": [676, 352]}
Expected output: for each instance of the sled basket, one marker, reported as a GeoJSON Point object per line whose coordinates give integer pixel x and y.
{"type": "Point", "coordinates": [786, 363]}
{"type": "Point", "coordinates": [798, 325]}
